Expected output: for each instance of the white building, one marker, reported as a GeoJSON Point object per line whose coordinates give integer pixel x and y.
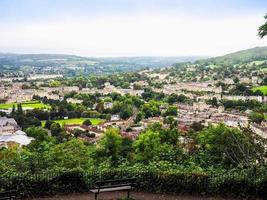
{"type": "Point", "coordinates": [8, 126]}
{"type": "Point", "coordinates": [19, 137]}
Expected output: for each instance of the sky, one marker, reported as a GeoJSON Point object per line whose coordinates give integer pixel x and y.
{"type": "Point", "coordinates": [131, 27]}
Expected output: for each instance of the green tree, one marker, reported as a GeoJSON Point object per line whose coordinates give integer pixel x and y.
{"type": "Point", "coordinates": [55, 129]}
{"type": "Point", "coordinates": [147, 147]}
{"type": "Point", "coordinates": [13, 112]}
{"type": "Point", "coordinates": [126, 111]}
{"type": "Point", "coordinates": [263, 28]}
{"type": "Point", "coordinates": [54, 83]}
{"type": "Point", "coordinates": [73, 154]}
{"type": "Point", "coordinates": [256, 117]}
{"type": "Point", "coordinates": [110, 146]}
{"type": "Point", "coordinates": [214, 102]}
{"type": "Point", "coordinates": [236, 80]}
{"type": "Point", "coordinates": [38, 133]}
{"type": "Point", "coordinates": [151, 109]}
{"type": "Point", "coordinates": [139, 117]}
{"type": "Point", "coordinates": [171, 111]}
{"type": "Point", "coordinates": [48, 124]}
{"type": "Point", "coordinates": [87, 122]}
{"type": "Point", "coordinates": [19, 109]}
{"type": "Point", "coordinates": [224, 145]}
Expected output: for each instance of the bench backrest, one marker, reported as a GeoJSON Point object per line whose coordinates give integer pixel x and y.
{"type": "Point", "coordinates": [115, 182]}
{"type": "Point", "coordinates": [11, 194]}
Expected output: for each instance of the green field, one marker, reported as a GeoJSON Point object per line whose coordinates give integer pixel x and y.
{"type": "Point", "coordinates": [79, 121]}
{"type": "Point", "coordinates": [28, 104]}
{"type": "Point", "coordinates": [263, 89]}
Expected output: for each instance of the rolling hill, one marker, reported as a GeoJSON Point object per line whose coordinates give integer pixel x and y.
{"type": "Point", "coordinates": [244, 56]}
{"type": "Point", "coordinates": [77, 65]}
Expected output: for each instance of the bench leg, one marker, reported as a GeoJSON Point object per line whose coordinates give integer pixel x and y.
{"type": "Point", "coordinates": [128, 193]}
{"type": "Point", "coordinates": [96, 196]}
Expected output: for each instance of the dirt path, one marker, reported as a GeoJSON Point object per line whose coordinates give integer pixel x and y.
{"type": "Point", "coordinates": [135, 195]}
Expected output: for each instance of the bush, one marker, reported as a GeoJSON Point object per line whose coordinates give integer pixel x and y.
{"type": "Point", "coordinates": [87, 122]}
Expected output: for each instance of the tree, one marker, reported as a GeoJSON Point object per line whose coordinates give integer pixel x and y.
{"type": "Point", "coordinates": [87, 122]}
{"type": "Point", "coordinates": [139, 117]}
{"type": "Point", "coordinates": [19, 109]}
{"type": "Point", "coordinates": [55, 129]}
{"type": "Point", "coordinates": [197, 126]}
{"type": "Point", "coordinates": [150, 109]}
{"type": "Point", "coordinates": [226, 146]}
{"type": "Point", "coordinates": [100, 107]}
{"type": "Point", "coordinates": [214, 102]}
{"type": "Point", "coordinates": [264, 81]}
{"type": "Point", "coordinates": [126, 148]}
{"type": "Point", "coordinates": [13, 112]}
{"type": "Point", "coordinates": [48, 124]}
{"type": "Point", "coordinates": [256, 117]}
{"type": "Point", "coordinates": [77, 132]}
{"type": "Point", "coordinates": [236, 80]}
{"type": "Point", "coordinates": [54, 83]}
{"type": "Point", "coordinates": [147, 146]}
{"type": "Point", "coordinates": [73, 154]}
{"type": "Point", "coordinates": [110, 146]}
{"type": "Point", "coordinates": [172, 98]}
{"type": "Point", "coordinates": [126, 111]}
{"type": "Point", "coordinates": [263, 29]}
{"type": "Point", "coordinates": [38, 133]}
{"type": "Point", "coordinates": [170, 136]}
{"type": "Point", "coordinates": [31, 121]}
{"type": "Point", "coordinates": [171, 111]}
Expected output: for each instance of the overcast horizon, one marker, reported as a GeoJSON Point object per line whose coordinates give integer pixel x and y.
{"type": "Point", "coordinates": [130, 28]}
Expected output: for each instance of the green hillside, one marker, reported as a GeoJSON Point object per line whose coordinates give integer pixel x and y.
{"type": "Point", "coordinates": [244, 56]}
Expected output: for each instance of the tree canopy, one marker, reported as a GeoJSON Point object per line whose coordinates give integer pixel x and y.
{"type": "Point", "coordinates": [263, 28]}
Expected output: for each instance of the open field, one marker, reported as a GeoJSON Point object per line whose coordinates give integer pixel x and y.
{"type": "Point", "coordinates": [79, 121]}
{"type": "Point", "coordinates": [28, 104]}
{"type": "Point", "coordinates": [263, 89]}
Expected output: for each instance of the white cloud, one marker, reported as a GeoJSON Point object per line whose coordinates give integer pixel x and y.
{"type": "Point", "coordinates": [131, 36]}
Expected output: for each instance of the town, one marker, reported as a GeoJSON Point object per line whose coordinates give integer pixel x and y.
{"type": "Point", "coordinates": [204, 101]}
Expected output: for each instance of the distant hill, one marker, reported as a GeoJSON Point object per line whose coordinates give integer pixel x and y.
{"type": "Point", "coordinates": [77, 65]}
{"type": "Point", "coordinates": [38, 57]}
{"type": "Point", "coordinates": [244, 56]}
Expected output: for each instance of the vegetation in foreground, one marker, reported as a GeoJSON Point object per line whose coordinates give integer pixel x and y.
{"type": "Point", "coordinates": [215, 160]}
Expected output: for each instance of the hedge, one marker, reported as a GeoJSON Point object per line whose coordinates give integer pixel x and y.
{"type": "Point", "coordinates": [237, 183]}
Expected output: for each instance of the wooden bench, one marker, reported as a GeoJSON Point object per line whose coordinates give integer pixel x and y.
{"type": "Point", "coordinates": [114, 185]}
{"type": "Point", "coordinates": [12, 194]}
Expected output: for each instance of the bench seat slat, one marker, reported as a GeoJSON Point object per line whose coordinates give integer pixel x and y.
{"type": "Point", "coordinates": [110, 189]}
{"type": "Point", "coordinates": [11, 194]}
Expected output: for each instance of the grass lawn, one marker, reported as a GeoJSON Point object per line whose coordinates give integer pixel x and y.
{"type": "Point", "coordinates": [28, 104]}
{"type": "Point", "coordinates": [94, 121]}
{"type": "Point", "coordinates": [263, 89]}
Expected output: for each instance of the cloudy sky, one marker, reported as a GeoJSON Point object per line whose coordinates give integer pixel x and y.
{"type": "Point", "coordinates": [130, 27]}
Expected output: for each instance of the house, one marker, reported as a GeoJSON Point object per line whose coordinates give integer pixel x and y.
{"type": "Point", "coordinates": [115, 118]}
{"type": "Point", "coordinates": [108, 105]}
{"type": "Point", "coordinates": [74, 101]}
{"type": "Point", "coordinates": [8, 126]}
